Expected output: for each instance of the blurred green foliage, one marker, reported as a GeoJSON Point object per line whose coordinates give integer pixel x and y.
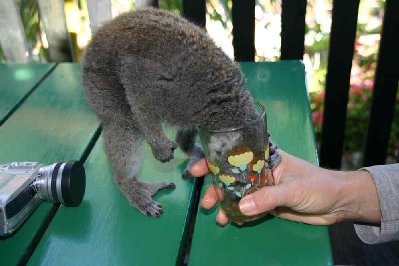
{"type": "Point", "coordinates": [361, 87]}
{"type": "Point", "coordinates": [172, 5]}
{"type": "Point", "coordinates": [29, 11]}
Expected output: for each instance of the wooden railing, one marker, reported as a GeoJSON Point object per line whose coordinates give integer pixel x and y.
{"type": "Point", "coordinates": [342, 37]}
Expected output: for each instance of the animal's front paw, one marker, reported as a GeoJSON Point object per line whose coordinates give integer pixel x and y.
{"type": "Point", "coordinates": [164, 152]}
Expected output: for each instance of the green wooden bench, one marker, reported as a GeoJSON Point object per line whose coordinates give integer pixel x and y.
{"type": "Point", "coordinates": [45, 118]}
{"type": "Point", "coordinates": [26, 76]}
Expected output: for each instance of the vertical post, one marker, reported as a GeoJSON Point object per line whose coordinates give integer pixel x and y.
{"type": "Point", "coordinates": [99, 12]}
{"type": "Point", "coordinates": [145, 3]}
{"type": "Point", "coordinates": [385, 88]}
{"type": "Point", "coordinates": [243, 13]}
{"type": "Point", "coordinates": [53, 18]}
{"type": "Point", "coordinates": [12, 34]}
{"type": "Point", "coordinates": [293, 29]}
{"type": "Point", "coordinates": [195, 11]}
{"type": "Point", "coordinates": [343, 33]}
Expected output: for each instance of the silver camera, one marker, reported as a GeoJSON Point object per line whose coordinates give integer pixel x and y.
{"type": "Point", "coordinates": [23, 185]}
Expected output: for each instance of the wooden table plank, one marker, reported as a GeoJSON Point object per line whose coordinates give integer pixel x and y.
{"type": "Point", "coordinates": [272, 241]}
{"type": "Point", "coordinates": [54, 124]}
{"type": "Point", "coordinates": [106, 230]}
{"type": "Point", "coordinates": [17, 81]}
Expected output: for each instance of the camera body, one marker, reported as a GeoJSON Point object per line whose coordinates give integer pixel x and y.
{"type": "Point", "coordinates": [24, 185]}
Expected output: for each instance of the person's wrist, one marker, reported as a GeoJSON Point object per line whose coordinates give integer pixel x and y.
{"type": "Point", "coordinates": [359, 197]}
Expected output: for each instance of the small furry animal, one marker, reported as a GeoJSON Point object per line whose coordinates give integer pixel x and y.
{"type": "Point", "coordinates": [149, 67]}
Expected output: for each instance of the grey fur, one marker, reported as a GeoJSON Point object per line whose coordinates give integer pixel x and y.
{"type": "Point", "coordinates": [185, 138]}
{"type": "Point", "coordinates": [151, 66]}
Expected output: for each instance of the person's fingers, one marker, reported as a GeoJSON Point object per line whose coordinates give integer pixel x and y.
{"type": "Point", "coordinates": [210, 197]}
{"type": "Point", "coordinates": [265, 199]}
{"type": "Point", "coordinates": [200, 168]}
{"type": "Point", "coordinates": [316, 219]}
{"type": "Point", "coordinates": [221, 218]}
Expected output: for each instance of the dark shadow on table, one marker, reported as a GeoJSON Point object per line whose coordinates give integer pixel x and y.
{"type": "Point", "coordinates": [348, 249]}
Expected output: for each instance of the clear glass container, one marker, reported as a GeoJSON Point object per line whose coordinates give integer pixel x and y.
{"type": "Point", "coordinates": [238, 162]}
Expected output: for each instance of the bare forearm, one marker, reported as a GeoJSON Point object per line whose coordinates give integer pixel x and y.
{"type": "Point", "coordinates": [359, 195]}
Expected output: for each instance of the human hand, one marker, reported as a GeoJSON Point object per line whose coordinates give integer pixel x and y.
{"type": "Point", "coordinates": [306, 193]}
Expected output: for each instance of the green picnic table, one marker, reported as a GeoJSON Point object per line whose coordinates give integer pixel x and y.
{"type": "Point", "coordinates": [44, 118]}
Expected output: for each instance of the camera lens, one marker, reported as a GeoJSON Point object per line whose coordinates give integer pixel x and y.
{"type": "Point", "coordinates": [62, 183]}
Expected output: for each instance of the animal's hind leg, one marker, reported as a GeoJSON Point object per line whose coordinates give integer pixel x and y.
{"type": "Point", "coordinates": [123, 145]}
{"type": "Point", "coordinates": [186, 139]}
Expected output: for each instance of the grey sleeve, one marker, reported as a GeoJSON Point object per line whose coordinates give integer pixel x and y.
{"type": "Point", "coordinates": [386, 178]}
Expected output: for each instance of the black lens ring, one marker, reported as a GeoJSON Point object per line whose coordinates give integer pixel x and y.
{"type": "Point", "coordinates": [54, 182]}
{"type": "Point", "coordinates": [73, 183]}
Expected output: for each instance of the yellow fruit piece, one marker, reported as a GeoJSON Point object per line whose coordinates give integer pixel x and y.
{"type": "Point", "coordinates": [227, 178]}
{"type": "Point", "coordinates": [240, 159]}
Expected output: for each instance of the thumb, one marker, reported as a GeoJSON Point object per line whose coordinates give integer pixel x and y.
{"type": "Point", "coordinates": [265, 199]}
